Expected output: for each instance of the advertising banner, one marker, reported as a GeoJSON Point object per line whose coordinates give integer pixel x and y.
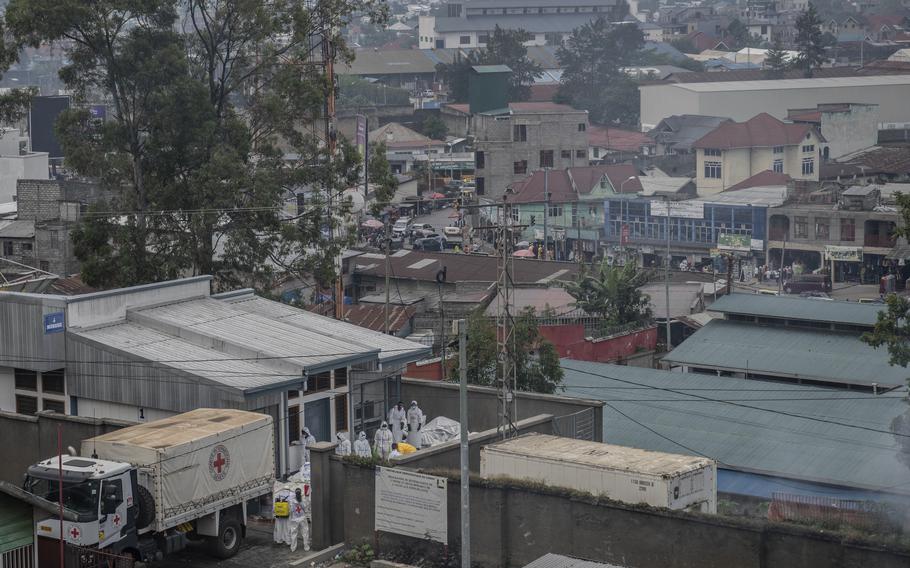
{"type": "Point", "coordinates": [843, 254]}
{"type": "Point", "coordinates": [411, 504]}
{"type": "Point", "coordinates": [734, 242]}
{"type": "Point", "coordinates": [679, 209]}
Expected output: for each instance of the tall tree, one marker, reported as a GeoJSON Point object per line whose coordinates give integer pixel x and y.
{"type": "Point", "coordinates": [433, 127]}
{"type": "Point", "coordinates": [612, 292]}
{"type": "Point", "coordinates": [809, 41]}
{"type": "Point", "coordinates": [593, 78]}
{"type": "Point", "coordinates": [505, 47]}
{"type": "Point", "coordinates": [207, 102]}
{"type": "Point", "coordinates": [381, 178]}
{"type": "Point", "coordinates": [776, 61]}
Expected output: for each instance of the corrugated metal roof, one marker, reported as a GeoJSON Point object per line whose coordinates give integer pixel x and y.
{"type": "Point", "coordinates": [222, 322]}
{"type": "Point", "coordinates": [221, 368]}
{"type": "Point", "coordinates": [789, 84]}
{"type": "Point", "coordinates": [560, 561]}
{"type": "Point", "coordinates": [807, 354]}
{"type": "Point", "coordinates": [765, 427]}
{"type": "Point", "coordinates": [534, 23]}
{"type": "Point", "coordinates": [796, 308]}
{"type": "Point", "coordinates": [17, 229]}
{"type": "Point", "coordinates": [16, 524]}
{"type": "Point", "coordinates": [391, 347]}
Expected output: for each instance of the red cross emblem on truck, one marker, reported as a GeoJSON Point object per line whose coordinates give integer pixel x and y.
{"type": "Point", "coordinates": [75, 533]}
{"type": "Point", "coordinates": [219, 462]}
{"type": "Point", "coordinates": [117, 520]}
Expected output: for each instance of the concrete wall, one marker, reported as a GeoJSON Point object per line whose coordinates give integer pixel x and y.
{"type": "Point", "coordinates": [441, 399]}
{"type": "Point", "coordinates": [16, 167]}
{"type": "Point", "coordinates": [513, 525]}
{"type": "Point", "coordinates": [115, 411]}
{"type": "Point", "coordinates": [850, 131]}
{"type": "Point", "coordinates": [570, 341]}
{"type": "Point", "coordinates": [35, 438]}
{"type": "Point", "coordinates": [740, 164]}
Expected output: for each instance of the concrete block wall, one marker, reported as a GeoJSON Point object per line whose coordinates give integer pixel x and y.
{"type": "Point", "coordinates": [38, 199]}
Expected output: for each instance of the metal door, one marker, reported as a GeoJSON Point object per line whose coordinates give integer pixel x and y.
{"type": "Point", "coordinates": [316, 417]}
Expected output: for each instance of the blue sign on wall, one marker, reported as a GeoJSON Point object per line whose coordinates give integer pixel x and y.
{"type": "Point", "coordinates": [53, 323]}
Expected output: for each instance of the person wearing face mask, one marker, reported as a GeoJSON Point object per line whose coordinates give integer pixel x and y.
{"type": "Point", "coordinates": [308, 441]}
{"type": "Point", "coordinates": [344, 445]}
{"type": "Point", "coordinates": [362, 446]}
{"type": "Point", "coordinates": [416, 419]}
{"type": "Point", "coordinates": [383, 440]}
{"type": "Point", "coordinates": [397, 420]}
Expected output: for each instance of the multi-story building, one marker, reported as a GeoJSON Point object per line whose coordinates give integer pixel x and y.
{"type": "Point", "coordinates": [846, 127]}
{"type": "Point", "coordinates": [736, 151]}
{"type": "Point", "coordinates": [17, 162]}
{"type": "Point", "coordinates": [550, 22]}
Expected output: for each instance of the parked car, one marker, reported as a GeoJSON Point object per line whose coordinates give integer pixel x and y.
{"type": "Point", "coordinates": [807, 283]}
{"type": "Point", "coordinates": [401, 227]}
{"type": "Point", "coordinates": [432, 243]}
{"type": "Point", "coordinates": [421, 230]}
{"type": "Point", "coordinates": [452, 231]}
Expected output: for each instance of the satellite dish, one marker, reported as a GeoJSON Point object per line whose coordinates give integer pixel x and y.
{"type": "Point", "coordinates": [355, 196]}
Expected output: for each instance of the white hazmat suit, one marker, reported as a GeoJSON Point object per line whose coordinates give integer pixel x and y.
{"type": "Point", "coordinates": [382, 441]}
{"type": "Point", "coordinates": [362, 446]}
{"type": "Point", "coordinates": [415, 423]}
{"type": "Point", "coordinates": [298, 525]}
{"type": "Point", "coordinates": [397, 420]}
{"type": "Point", "coordinates": [344, 445]}
{"type": "Point", "coordinates": [282, 529]}
{"type": "Point", "coordinates": [308, 440]}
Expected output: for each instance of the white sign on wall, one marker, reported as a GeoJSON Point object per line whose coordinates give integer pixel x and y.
{"type": "Point", "coordinates": [412, 504]}
{"type": "Point", "coordinates": [683, 209]}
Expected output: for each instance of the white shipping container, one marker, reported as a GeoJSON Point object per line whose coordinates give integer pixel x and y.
{"type": "Point", "coordinates": [197, 462]}
{"type": "Point", "coordinates": [621, 473]}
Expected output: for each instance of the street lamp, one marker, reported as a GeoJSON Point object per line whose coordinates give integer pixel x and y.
{"type": "Point", "coordinates": [622, 221]}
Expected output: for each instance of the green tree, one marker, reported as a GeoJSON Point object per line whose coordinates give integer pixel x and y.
{"type": "Point", "coordinates": [809, 41]}
{"type": "Point", "coordinates": [739, 32]}
{"type": "Point", "coordinates": [505, 47]}
{"type": "Point", "coordinates": [433, 127]}
{"type": "Point", "coordinates": [612, 293]}
{"type": "Point", "coordinates": [536, 361]}
{"type": "Point", "coordinates": [204, 114]}
{"type": "Point", "coordinates": [593, 78]}
{"type": "Point", "coordinates": [381, 178]}
{"type": "Point", "coordinates": [776, 61]}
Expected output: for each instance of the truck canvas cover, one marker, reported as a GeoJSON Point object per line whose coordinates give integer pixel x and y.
{"type": "Point", "coordinates": [200, 460]}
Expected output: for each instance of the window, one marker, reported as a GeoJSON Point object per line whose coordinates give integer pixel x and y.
{"type": "Point", "coordinates": [57, 406]}
{"type": "Point", "coordinates": [778, 149]}
{"type": "Point", "coordinates": [318, 382]}
{"type": "Point", "coordinates": [293, 394]}
{"type": "Point", "coordinates": [809, 148]}
{"type": "Point", "coordinates": [484, 39]}
{"type": "Point", "coordinates": [45, 266]}
{"type": "Point", "coordinates": [821, 228]}
{"type": "Point", "coordinates": [808, 166]}
{"type": "Point", "coordinates": [294, 424]}
{"type": "Point", "coordinates": [55, 239]}
{"type": "Point", "coordinates": [801, 227]}
{"type": "Point", "coordinates": [596, 152]}
{"type": "Point", "coordinates": [712, 170]}
{"type": "Point", "coordinates": [464, 40]}
{"type": "Point", "coordinates": [546, 158]}
{"type": "Point", "coordinates": [341, 377]}
{"type": "Point", "coordinates": [778, 166]}
{"type": "Point", "coordinates": [52, 382]}
{"type": "Point", "coordinates": [566, 154]}
{"type": "Point", "coordinates": [520, 133]}
{"type": "Point", "coordinates": [514, 214]}
{"type": "Point", "coordinates": [712, 152]}
{"type": "Point", "coordinates": [26, 404]}
{"type": "Point", "coordinates": [848, 229]}
{"type": "Point", "coordinates": [520, 167]}
{"type": "Point", "coordinates": [581, 154]}
{"type": "Point", "coordinates": [555, 210]}
{"type": "Point", "coordinates": [7, 248]}
{"type": "Point", "coordinates": [582, 126]}
{"type": "Point", "coordinates": [26, 380]}
{"type": "Point", "coordinates": [341, 412]}
{"type": "Point", "coordinates": [27, 247]}
{"type": "Point", "coordinates": [479, 160]}
{"type": "Point", "coordinates": [479, 186]}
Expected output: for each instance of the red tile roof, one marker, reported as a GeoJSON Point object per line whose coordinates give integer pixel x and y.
{"type": "Point", "coordinates": [760, 131]}
{"type": "Point", "coordinates": [761, 179]}
{"type": "Point", "coordinates": [617, 139]}
{"type": "Point", "coordinates": [563, 184]}
{"type": "Point", "coordinates": [620, 173]}
{"type": "Point", "coordinates": [543, 93]}
{"type": "Point", "coordinates": [531, 189]}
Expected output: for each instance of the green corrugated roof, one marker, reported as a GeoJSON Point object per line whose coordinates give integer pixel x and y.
{"type": "Point", "coordinates": [818, 355]}
{"type": "Point", "coordinates": [794, 307]}
{"type": "Point", "coordinates": [491, 69]}
{"type": "Point", "coordinates": [777, 437]}
{"type": "Point", "coordinates": [16, 527]}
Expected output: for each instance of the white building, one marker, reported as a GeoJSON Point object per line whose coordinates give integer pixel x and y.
{"type": "Point", "coordinates": [18, 162]}
{"type": "Point", "coordinates": [741, 100]}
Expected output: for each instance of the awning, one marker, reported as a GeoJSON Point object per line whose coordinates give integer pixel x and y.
{"type": "Point", "coordinates": [899, 252]}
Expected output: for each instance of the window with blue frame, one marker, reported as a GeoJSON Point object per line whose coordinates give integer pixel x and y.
{"type": "Point", "coordinates": [718, 219]}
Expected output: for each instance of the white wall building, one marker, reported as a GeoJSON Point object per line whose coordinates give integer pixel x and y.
{"type": "Point", "coordinates": [17, 162]}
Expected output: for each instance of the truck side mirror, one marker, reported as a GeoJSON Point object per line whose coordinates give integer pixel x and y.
{"type": "Point", "coordinates": [110, 499]}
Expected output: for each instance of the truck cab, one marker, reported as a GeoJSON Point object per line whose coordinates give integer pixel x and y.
{"type": "Point", "coordinates": [102, 495]}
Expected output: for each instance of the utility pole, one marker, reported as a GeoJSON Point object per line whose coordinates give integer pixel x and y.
{"type": "Point", "coordinates": [463, 418]}
{"type": "Point", "coordinates": [505, 334]}
{"type": "Point", "coordinates": [546, 212]}
{"type": "Point", "coordinates": [780, 270]}
{"type": "Point", "coordinates": [60, 490]}
{"type": "Point", "coordinates": [388, 277]}
{"type": "Point", "coordinates": [667, 276]}
{"type": "Point", "coordinates": [328, 58]}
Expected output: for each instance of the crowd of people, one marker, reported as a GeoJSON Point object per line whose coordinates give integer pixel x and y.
{"type": "Point", "coordinates": [399, 435]}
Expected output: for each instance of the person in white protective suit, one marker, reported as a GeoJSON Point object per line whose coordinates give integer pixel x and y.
{"type": "Point", "coordinates": [308, 441]}
{"type": "Point", "coordinates": [397, 420]}
{"type": "Point", "coordinates": [415, 423]}
{"type": "Point", "coordinates": [383, 440]}
{"type": "Point", "coordinates": [344, 445]}
{"type": "Point", "coordinates": [283, 503]}
{"type": "Point", "coordinates": [362, 446]}
{"type": "Point", "coordinates": [298, 525]}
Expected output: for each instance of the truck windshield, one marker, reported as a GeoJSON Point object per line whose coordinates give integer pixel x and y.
{"type": "Point", "coordinates": [81, 498]}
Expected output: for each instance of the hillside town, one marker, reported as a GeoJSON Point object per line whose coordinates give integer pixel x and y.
{"type": "Point", "coordinates": [475, 283]}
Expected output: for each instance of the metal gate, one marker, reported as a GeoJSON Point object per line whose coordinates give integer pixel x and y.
{"type": "Point", "coordinates": [81, 557]}
{"type": "Point", "coordinates": [22, 557]}
{"type": "Point", "coordinates": [579, 425]}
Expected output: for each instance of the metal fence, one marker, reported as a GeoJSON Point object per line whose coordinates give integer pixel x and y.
{"type": "Point", "coordinates": [830, 511]}
{"type": "Point", "coordinates": [22, 557]}
{"type": "Point", "coordinates": [579, 425]}
{"type": "Point", "coordinates": [82, 557]}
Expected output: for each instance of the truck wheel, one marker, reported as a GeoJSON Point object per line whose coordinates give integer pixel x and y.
{"type": "Point", "coordinates": [227, 543]}
{"type": "Point", "coordinates": [146, 508]}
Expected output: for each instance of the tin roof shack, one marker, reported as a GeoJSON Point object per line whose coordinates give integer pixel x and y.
{"type": "Point", "coordinates": [624, 474]}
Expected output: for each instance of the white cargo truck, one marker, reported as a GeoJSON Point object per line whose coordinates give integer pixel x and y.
{"type": "Point", "coordinates": [624, 474]}
{"type": "Point", "coordinates": [148, 489]}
